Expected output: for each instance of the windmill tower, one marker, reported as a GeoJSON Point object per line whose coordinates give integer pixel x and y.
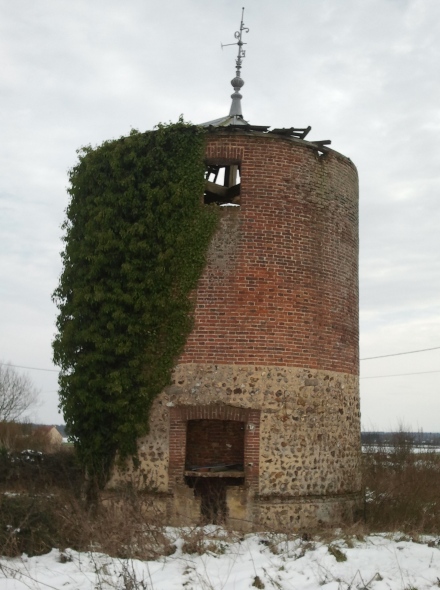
{"type": "Point", "coordinates": [261, 425]}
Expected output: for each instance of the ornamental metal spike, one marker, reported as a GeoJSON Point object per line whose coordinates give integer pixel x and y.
{"type": "Point", "coordinates": [238, 82]}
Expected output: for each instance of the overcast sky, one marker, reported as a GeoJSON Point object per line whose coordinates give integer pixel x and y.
{"type": "Point", "coordinates": [363, 73]}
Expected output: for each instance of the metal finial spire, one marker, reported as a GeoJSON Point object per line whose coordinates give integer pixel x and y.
{"type": "Point", "coordinates": [237, 82]}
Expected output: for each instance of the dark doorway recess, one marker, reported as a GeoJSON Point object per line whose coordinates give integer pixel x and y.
{"type": "Point", "coordinates": [212, 494]}
{"type": "Point", "coordinates": [214, 462]}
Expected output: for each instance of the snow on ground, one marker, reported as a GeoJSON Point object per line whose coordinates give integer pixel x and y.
{"type": "Point", "coordinates": [378, 562]}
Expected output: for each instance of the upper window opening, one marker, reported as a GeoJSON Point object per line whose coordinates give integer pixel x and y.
{"type": "Point", "coordinates": [222, 184]}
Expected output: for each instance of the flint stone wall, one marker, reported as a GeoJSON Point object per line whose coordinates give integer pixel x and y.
{"type": "Point", "coordinates": [309, 433]}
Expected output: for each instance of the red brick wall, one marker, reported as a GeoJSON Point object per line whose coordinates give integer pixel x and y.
{"type": "Point", "coordinates": [289, 294]}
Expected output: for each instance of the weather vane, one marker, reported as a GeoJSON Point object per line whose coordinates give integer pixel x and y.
{"type": "Point", "coordinates": [237, 82]}
{"type": "Point", "coordinates": [239, 42]}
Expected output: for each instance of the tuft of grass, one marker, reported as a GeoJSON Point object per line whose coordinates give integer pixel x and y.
{"type": "Point", "coordinates": [337, 553]}
{"type": "Point", "coordinates": [200, 540]}
{"type": "Point", "coordinates": [258, 583]}
{"type": "Point", "coordinates": [194, 542]}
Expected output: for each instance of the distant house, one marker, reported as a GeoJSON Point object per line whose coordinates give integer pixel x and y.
{"type": "Point", "coordinates": [53, 438]}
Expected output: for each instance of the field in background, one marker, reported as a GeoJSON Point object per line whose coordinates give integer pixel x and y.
{"type": "Point", "coordinates": [401, 474]}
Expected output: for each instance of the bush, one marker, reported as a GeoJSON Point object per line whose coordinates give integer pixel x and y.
{"type": "Point", "coordinates": [27, 524]}
{"type": "Point", "coordinates": [35, 523]}
{"type": "Point", "coordinates": [38, 472]}
{"type": "Point", "coordinates": [402, 487]}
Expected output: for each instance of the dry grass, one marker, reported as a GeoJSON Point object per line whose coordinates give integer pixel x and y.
{"type": "Point", "coordinates": [36, 472]}
{"type": "Point", "coordinates": [402, 489]}
{"type": "Point", "coordinates": [34, 523]}
{"type": "Point", "coordinates": [41, 508]}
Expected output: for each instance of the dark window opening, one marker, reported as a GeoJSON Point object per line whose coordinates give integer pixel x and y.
{"type": "Point", "coordinates": [214, 446]}
{"type": "Point", "coordinates": [222, 184]}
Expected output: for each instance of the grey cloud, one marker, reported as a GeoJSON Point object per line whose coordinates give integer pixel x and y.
{"type": "Point", "coordinates": [364, 74]}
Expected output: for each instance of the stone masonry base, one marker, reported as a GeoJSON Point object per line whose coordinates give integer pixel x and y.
{"type": "Point", "coordinates": [248, 513]}
{"type": "Point", "coordinates": [298, 432]}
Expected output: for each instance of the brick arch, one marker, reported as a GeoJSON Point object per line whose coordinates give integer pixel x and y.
{"type": "Point", "coordinates": [210, 412]}
{"type": "Point", "coordinates": [230, 152]}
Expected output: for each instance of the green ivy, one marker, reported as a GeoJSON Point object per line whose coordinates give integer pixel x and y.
{"type": "Point", "coordinates": [135, 241]}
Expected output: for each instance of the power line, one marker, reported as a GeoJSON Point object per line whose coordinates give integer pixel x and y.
{"type": "Point", "coordinates": [29, 368]}
{"type": "Point", "coordinates": [399, 353]}
{"type": "Point", "coordinates": [399, 375]}
{"type": "Point", "coordinates": [369, 358]}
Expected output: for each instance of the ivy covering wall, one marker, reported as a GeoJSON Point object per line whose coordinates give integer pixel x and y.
{"type": "Point", "coordinates": [135, 238]}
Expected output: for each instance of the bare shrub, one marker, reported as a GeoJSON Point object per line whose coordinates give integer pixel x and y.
{"type": "Point", "coordinates": [128, 527]}
{"type": "Point", "coordinates": [402, 486]}
{"type": "Point", "coordinates": [194, 541]}
{"type": "Point", "coordinates": [27, 524]}
{"type": "Point", "coordinates": [36, 472]}
{"type": "Point", "coordinates": [33, 524]}
{"type": "Point", "coordinates": [17, 393]}
{"type": "Point", "coordinates": [207, 539]}
{"type": "Point", "coordinates": [42, 506]}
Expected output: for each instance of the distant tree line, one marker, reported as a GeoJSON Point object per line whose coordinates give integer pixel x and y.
{"type": "Point", "coordinates": [411, 438]}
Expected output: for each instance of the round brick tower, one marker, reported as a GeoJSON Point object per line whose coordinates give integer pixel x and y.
{"type": "Point", "coordinates": [261, 425]}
